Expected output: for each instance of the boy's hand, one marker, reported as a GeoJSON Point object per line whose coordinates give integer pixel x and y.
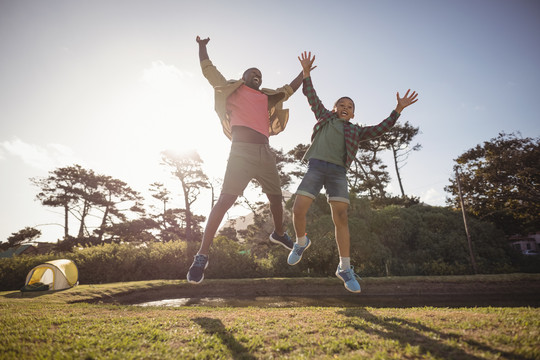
{"type": "Point", "coordinates": [307, 63]}
{"type": "Point", "coordinates": [403, 102]}
{"type": "Point", "coordinates": [202, 42]}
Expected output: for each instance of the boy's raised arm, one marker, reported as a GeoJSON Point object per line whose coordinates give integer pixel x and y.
{"type": "Point", "coordinates": [203, 52]}
{"type": "Point", "coordinates": [403, 102]}
{"type": "Point", "coordinates": [307, 63]}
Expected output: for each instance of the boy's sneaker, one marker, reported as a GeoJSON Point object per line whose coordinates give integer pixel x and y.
{"type": "Point", "coordinates": [284, 240]}
{"type": "Point", "coordinates": [349, 278]}
{"type": "Point", "coordinates": [196, 272]}
{"type": "Point", "coordinates": [296, 253]}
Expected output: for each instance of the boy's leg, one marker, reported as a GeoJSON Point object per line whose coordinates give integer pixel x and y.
{"type": "Point", "coordinates": [300, 209]}
{"type": "Point", "coordinates": [345, 272]}
{"type": "Point", "coordinates": [341, 223]}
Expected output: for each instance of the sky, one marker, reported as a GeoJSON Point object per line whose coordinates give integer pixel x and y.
{"type": "Point", "coordinates": [110, 84]}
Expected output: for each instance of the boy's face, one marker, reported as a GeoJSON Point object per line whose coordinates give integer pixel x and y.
{"type": "Point", "coordinates": [344, 109]}
{"type": "Point", "coordinates": [253, 78]}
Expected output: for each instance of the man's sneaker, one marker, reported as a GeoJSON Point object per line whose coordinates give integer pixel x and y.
{"type": "Point", "coordinates": [284, 240]}
{"type": "Point", "coordinates": [296, 253]}
{"type": "Point", "coordinates": [196, 272]}
{"type": "Point", "coordinates": [349, 278]}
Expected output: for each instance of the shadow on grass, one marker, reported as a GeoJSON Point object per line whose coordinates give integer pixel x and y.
{"type": "Point", "coordinates": [216, 327]}
{"type": "Point", "coordinates": [30, 294]}
{"type": "Point", "coordinates": [427, 339]}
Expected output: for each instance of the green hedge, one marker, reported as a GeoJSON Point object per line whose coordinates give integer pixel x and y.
{"type": "Point", "coordinates": [419, 240]}
{"type": "Point", "coordinates": [106, 263]}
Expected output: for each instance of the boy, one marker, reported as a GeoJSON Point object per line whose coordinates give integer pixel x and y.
{"type": "Point", "coordinates": [334, 144]}
{"type": "Point", "coordinates": [248, 117]}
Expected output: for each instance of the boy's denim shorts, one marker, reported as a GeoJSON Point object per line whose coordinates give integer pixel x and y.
{"type": "Point", "coordinates": [322, 173]}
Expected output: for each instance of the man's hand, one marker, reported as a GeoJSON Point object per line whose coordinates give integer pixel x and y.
{"type": "Point", "coordinates": [202, 42]}
{"type": "Point", "coordinates": [307, 63]}
{"type": "Point", "coordinates": [203, 53]}
{"type": "Point", "coordinates": [403, 102]}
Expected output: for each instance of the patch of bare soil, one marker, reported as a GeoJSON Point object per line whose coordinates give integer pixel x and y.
{"type": "Point", "coordinates": [385, 292]}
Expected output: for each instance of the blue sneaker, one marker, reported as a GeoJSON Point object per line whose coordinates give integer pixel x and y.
{"type": "Point", "coordinates": [195, 274]}
{"type": "Point", "coordinates": [349, 278]}
{"type": "Point", "coordinates": [296, 253]}
{"type": "Point", "coordinates": [284, 240]}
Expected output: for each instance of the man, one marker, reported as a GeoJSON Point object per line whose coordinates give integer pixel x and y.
{"type": "Point", "coordinates": [249, 116]}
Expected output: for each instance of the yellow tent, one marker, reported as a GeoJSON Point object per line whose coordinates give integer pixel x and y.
{"type": "Point", "coordinates": [52, 275]}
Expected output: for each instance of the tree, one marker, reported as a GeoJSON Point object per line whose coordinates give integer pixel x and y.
{"type": "Point", "coordinates": [187, 168]}
{"type": "Point", "coordinates": [137, 230]}
{"type": "Point", "coordinates": [368, 174]}
{"type": "Point", "coordinates": [59, 189]}
{"type": "Point", "coordinates": [399, 139]}
{"type": "Point", "coordinates": [160, 193]}
{"type": "Point", "coordinates": [500, 182]}
{"type": "Point", "coordinates": [87, 191]}
{"type": "Point", "coordinates": [281, 161]}
{"type": "Point", "coordinates": [294, 157]}
{"type": "Point", "coordinates": [22, 236]}
{"type": "Point", "coordinates": [81, 192]}
{"type": "Point", "coordinates": [113, 193]}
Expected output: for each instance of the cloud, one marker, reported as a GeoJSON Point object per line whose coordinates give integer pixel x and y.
{"type": "Point", "coordinates": [433, 197]}
{"type": "Point", "coordinates": [40, 157]}
{"type": "Point", "coordinates": [160, 74]}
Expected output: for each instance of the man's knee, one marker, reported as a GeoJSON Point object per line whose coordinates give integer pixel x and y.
{"type": "Point", "coordinates": [275, 200]}
{"type": "Point", "coordinates": [225, 201]}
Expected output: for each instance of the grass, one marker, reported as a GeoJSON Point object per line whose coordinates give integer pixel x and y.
{"type": "Point", "coordinates": [63, 325]}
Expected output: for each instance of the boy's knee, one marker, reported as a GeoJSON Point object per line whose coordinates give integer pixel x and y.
{"type": "Point", "coordinates": [341, 218]}
{"type": "Point", "coordinates": [340, 214]}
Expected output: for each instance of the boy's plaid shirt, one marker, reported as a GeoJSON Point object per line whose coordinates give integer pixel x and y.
{"type": "Point", "coordinates": [354, 134]}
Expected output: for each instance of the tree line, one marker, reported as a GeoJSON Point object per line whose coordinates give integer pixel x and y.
{"type": "Point", "coordinates": [499, 181]}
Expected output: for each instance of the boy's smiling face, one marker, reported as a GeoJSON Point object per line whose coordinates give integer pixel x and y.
{"type": "Point", "coordinates": [344, 108]}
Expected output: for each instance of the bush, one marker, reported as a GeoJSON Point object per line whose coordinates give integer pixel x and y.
{"type": "Point", "coordinates": [13, 271]}
{"type": "Point", "coordinates": [417, 240]}
{"type": "Point", "coordinates": [228, 259]}
{"type": "Point", "coordinates": [106, 263]}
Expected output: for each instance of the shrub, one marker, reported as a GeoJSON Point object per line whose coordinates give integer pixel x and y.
{"type": "Point", "coordinates": [228, 259]}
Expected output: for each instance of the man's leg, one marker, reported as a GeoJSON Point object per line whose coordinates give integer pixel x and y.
{"type": "Point", "coordinates": [196, 271]}
{"type": "Point", "coordinates": [276, 208]}
{"type": "Point", "coordinates": [278, 236]}
{"type": "Point", "coordinates": [219, 210]}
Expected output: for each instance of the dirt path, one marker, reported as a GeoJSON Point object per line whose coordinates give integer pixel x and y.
{"type": "Point", "coordinates": [384, 292]}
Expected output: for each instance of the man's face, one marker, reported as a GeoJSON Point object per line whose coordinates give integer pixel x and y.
{"type": "Point", "coordinates": [344, 109]}
{"type": "Point", "coordinates": [253, 78]}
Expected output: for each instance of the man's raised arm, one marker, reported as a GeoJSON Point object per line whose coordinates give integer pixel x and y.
{"type": "Point", "coordinates": [295, 84]}
{"type": "Point", "coordinates": [203, 53]}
